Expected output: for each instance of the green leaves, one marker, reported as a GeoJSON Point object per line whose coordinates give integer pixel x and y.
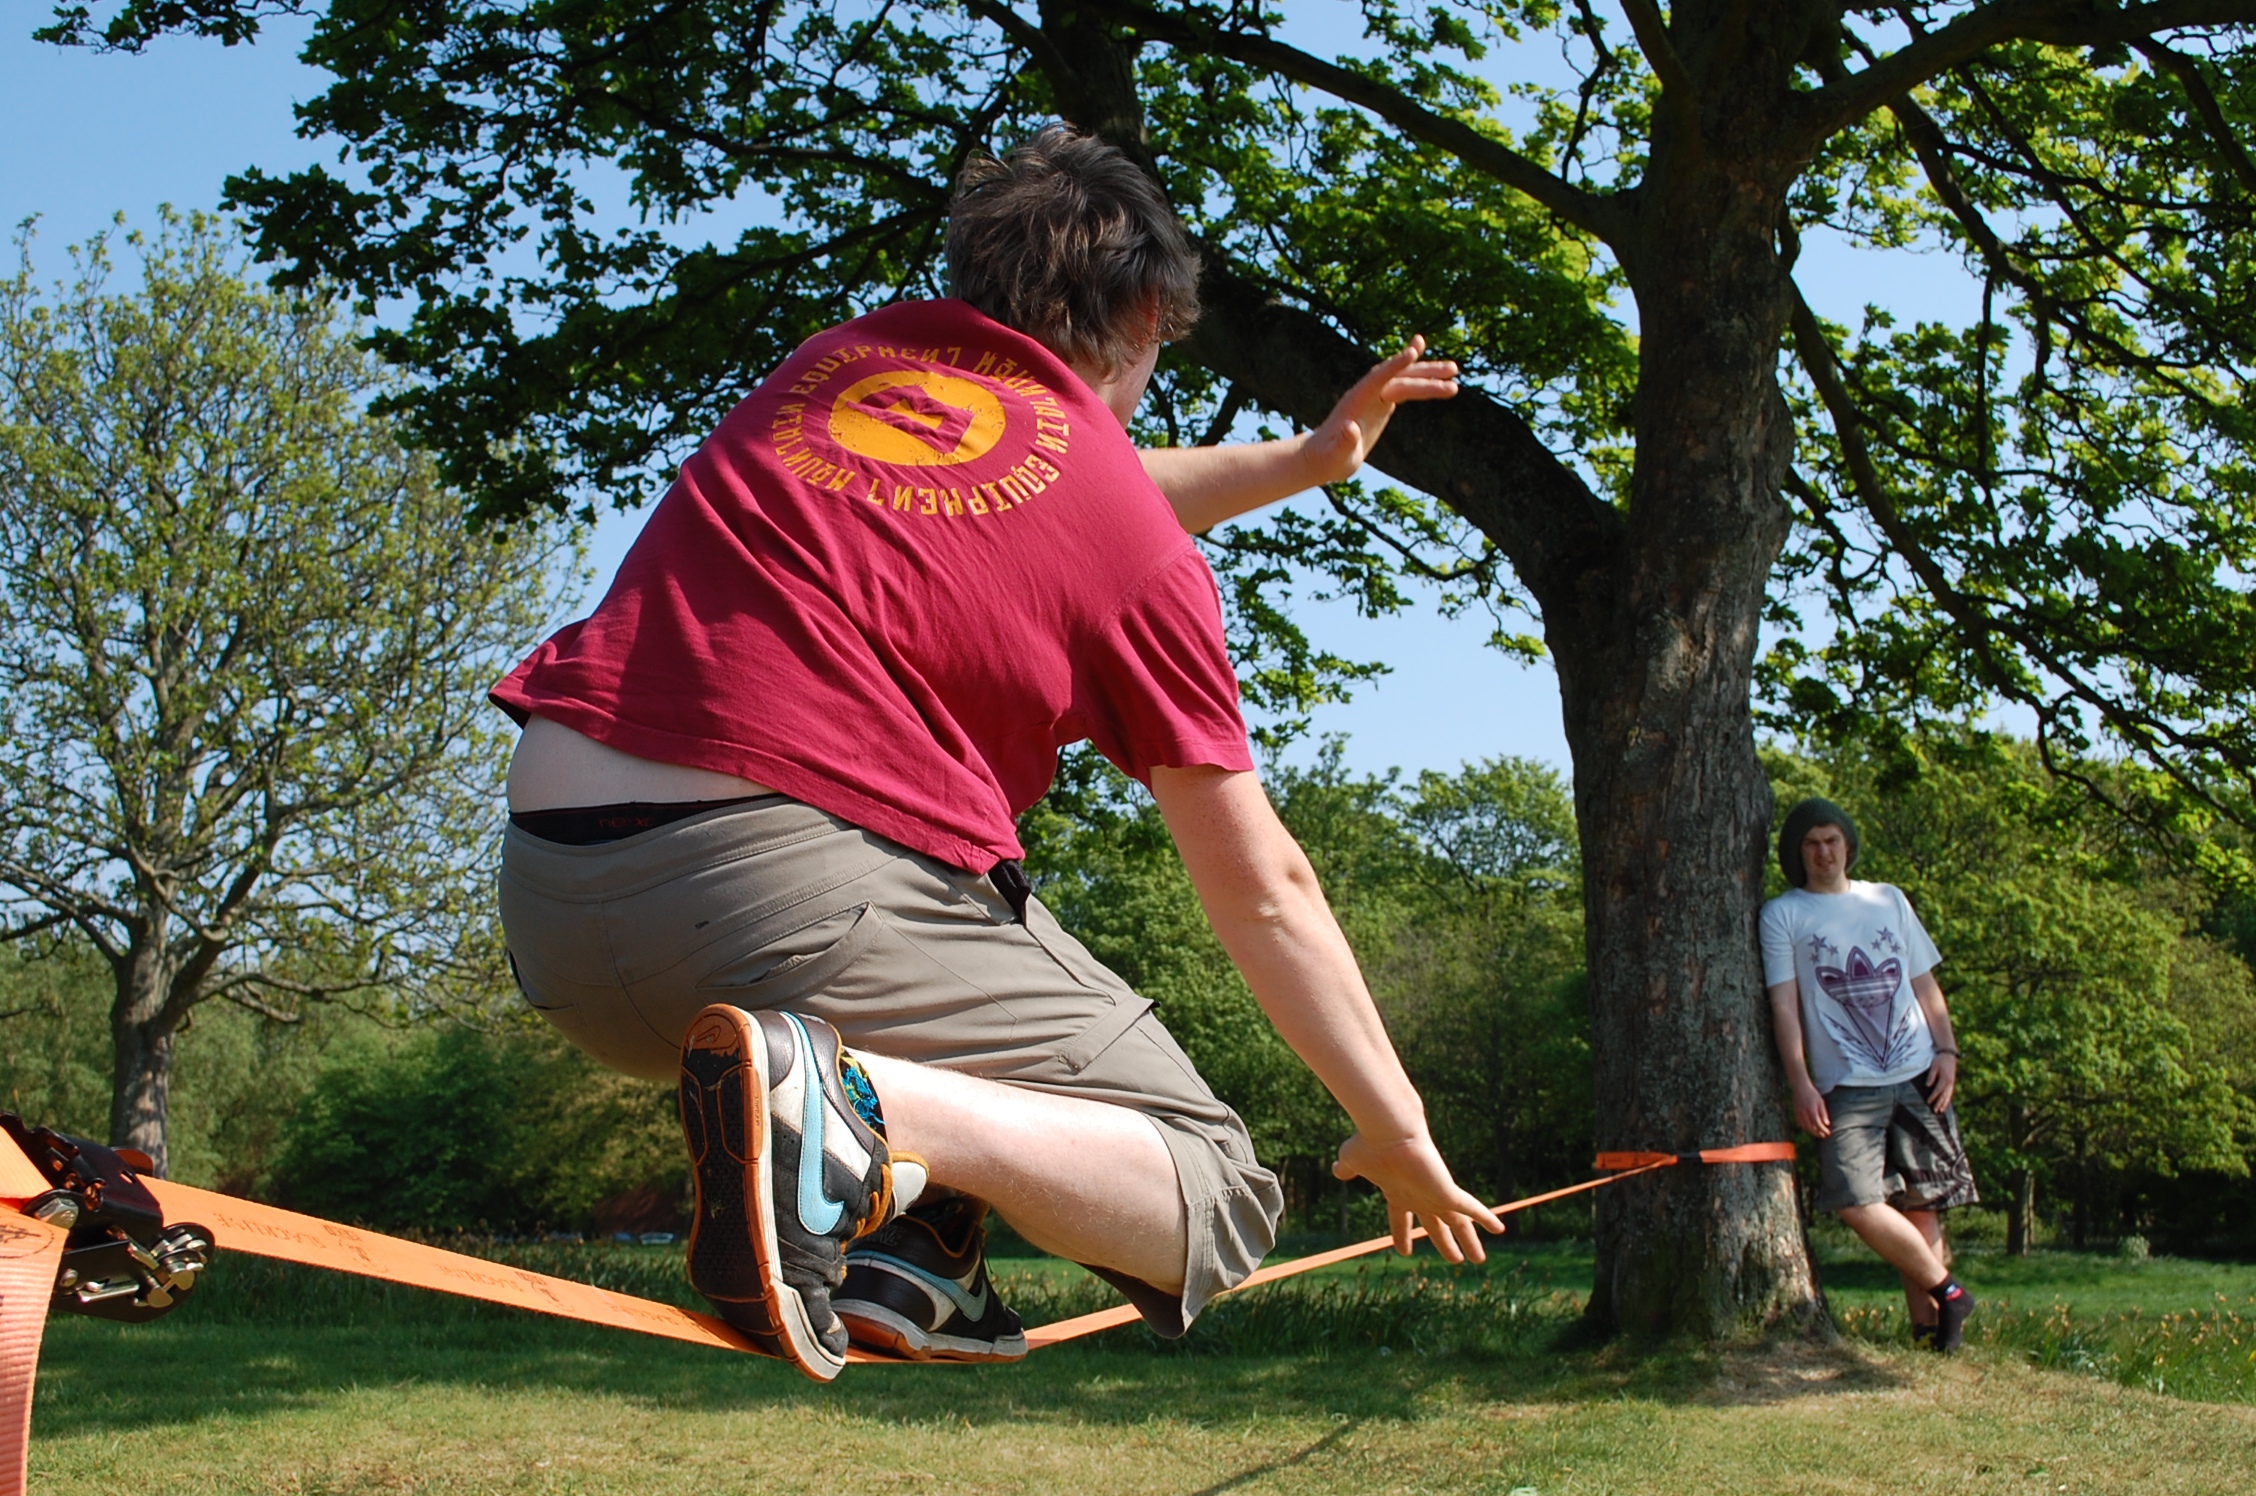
{"type": "Point", "coordinates": [245, 639]}
{"type": "Point", "coordinates": [453, 1128]}
{"type": "Point", "coordinates": [611, 217]}
{"type": "Point", "coordinates": [1462, 898]}
{"type": "Point", "coordinates": [607, 217]}
{"type": "Point", "coordinates": [2058, 508]}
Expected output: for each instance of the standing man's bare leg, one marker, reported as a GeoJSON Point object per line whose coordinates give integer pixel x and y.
{"type": "Point", "coordinates": [1901, 1244]}
{"type": "Point", "coordinates": [1917, 1299]}
{"type": "Point", "coordinates": [1087, 1181]}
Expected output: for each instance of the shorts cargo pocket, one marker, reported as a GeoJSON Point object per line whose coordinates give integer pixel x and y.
{"type": "Point", "coordinates": [771, 978]}
{"type": "Point", "coordinates": [1102, 1033]}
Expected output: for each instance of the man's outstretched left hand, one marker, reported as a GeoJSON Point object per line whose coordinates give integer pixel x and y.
{"type": "Point", "coordinates": [1339, 447]}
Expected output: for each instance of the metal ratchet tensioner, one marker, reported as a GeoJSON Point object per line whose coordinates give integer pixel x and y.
{"type": "Point", "coordinates": [120, 1261]}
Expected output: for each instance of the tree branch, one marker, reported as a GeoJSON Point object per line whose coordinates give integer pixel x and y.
{"type": "Point", "coordinates": [244, 1000]}
{"type": "Point", "coordinates": [1033, 38]}
{"type": "Point", "coordinates": [1226, 416]}
{"type": "Point", "coordinates": [1978, 627]}
{"type": "Point", "coordinates": [1595, 214]}
{"type": "Point", "coordinates": [1406, 556]}
{"type": "Point", "coordinates": [1472, 453]}
{"type": "Point", "coordinates": [33, 927]}
{"type": "Point", "coordinates": [1653, 40]}
{"type": "Point", "coordinates": [2067, 23]}
{"type": "Point", "coordinates": [1932, 148]}
{"type": "Point", "coordinates": [72, 903]}
{"type": "Point", "coordinates": [1586, 21]}
{"type": "Point", "coordinates": [2189, 75]}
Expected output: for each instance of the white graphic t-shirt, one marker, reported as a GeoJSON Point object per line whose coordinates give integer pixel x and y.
{"type": "Point", "coordinates": [1853, 955]}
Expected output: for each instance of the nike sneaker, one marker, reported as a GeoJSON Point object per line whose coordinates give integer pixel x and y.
{"type": "Point", "coordinates": [790, 1163]}
{"type": "Point", "coordinates": [919, 1288]}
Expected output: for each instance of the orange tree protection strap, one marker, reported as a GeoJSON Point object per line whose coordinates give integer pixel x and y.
{"type": "Point", "coordinates": [1745, 1153]}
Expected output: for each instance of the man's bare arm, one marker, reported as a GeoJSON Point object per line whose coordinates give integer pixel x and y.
{"type": "Point", "coordinates": [1786, 1024]}
{"type": "Point", "coordinates": [1942, 1076]}
{"type": "Point", "coordinates": [1262, 898]}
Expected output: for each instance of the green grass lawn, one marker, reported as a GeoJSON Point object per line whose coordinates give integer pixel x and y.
{"type": "Point", "coordinates": [1401, 1377]}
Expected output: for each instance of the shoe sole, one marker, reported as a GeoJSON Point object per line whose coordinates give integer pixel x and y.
{"type": "Point", "coordinates": [877, 1327]}
{"type": "Point", "coordinates": [734, 1260]}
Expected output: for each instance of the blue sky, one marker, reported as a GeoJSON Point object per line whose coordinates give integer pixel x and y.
{"type": "Point", "coordinates": [91, 136]}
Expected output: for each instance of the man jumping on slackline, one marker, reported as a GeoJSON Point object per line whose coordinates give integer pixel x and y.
{"type": "Point", "coordinates": [762, 812]}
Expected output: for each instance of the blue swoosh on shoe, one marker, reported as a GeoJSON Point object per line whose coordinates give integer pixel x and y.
{"type": "Point", "coordinates": [971, 1305]}
{"type": "Point", "coordinates": [817, 1211]}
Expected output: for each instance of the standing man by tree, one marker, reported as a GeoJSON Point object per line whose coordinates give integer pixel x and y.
{"type": "Point", "coordinates": [1867, 1042]}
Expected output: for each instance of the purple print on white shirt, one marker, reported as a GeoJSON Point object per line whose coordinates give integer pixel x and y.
{"type": "Point", "coordinates": [1874, 1035]}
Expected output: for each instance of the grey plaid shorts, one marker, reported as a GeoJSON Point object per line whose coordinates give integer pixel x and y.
{"type": "Point", "coordinates": [1889, 1146]}
{"type": "Point", "coordinates": [774, 904]}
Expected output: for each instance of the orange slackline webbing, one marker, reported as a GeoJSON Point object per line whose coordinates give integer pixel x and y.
{"type": "Point", "coordinates": [30, 1250]}
{"type": "Point", "coordinates": [1620, 1166]}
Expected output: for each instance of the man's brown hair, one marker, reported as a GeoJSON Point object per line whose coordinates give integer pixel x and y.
{"type": "Point", "coordinates": [1066, 241]}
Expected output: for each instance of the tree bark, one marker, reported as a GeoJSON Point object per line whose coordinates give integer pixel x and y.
{"type": "Point", "coordinates": [2021, 1220]}
{"type": "Point", "coordinates": [1655, 654]}
{"type": "Point", "coordinates": [142, 1032]}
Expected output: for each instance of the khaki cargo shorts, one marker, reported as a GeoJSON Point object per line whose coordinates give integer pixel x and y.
{"type": "Point", "coordinates": [773, 904]}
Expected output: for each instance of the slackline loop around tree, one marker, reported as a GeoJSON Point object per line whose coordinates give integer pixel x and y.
{"type": "Point", "coordinates": [37, 1220]}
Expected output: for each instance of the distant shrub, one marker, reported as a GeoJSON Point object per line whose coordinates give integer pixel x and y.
{"type": "Point", "coordinates": [457, 1129]}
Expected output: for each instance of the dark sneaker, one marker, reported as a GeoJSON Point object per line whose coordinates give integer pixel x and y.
{"type": "Point", "coordinates": [787, 1174]}
{"type": "Point", "coordinates": [919, 1288]}
{"type": "Point", "coordinates": [1952, 1305]}
{"type": "Point", "coordinates": [1923, 1336]}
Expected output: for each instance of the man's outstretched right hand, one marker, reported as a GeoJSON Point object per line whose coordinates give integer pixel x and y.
{"type": "Point", "coordinates": [1415, 1181]}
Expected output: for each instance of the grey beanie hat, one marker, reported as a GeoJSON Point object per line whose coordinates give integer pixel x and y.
{"type": "Point", "coordinates": [1800, 822]}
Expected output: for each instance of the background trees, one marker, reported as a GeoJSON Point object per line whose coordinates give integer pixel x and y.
{"type": "Point", "coordinates": [2108, 1089]}
{"type": "Point", "coordinates": [244, 644]}
{"type": "Point", "coordinates": [1460, 895]}
{"type": "Point", "coordinates": [1664, 447]}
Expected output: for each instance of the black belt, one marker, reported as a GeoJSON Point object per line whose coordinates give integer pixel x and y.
{"type": "Point", "coordinates": [1010, 881]}
{"type": "Point", "coordinates": [593, 825]}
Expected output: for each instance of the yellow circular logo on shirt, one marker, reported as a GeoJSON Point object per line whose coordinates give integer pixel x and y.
{"type": "Point", "coordinates": [916, 418]}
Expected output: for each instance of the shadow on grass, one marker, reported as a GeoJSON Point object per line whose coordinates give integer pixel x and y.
{"type": "Point", "coordinates": [1271, 1467]}
{"type": "Point", "coordinates": [265, 1339]}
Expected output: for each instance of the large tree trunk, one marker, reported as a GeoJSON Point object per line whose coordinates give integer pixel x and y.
{"type": "Point", "coordinates": [141, 1041]}
{"type": "Point", "coordinates": [1675, 813]}
{"type": "Point", "coordinates": [1653, 626]}
{"type": "Point", "coordinates": [1655, 653]}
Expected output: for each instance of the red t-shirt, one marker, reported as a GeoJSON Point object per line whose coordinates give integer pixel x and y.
{"type": "Point", "coordinates": [917, 561]}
